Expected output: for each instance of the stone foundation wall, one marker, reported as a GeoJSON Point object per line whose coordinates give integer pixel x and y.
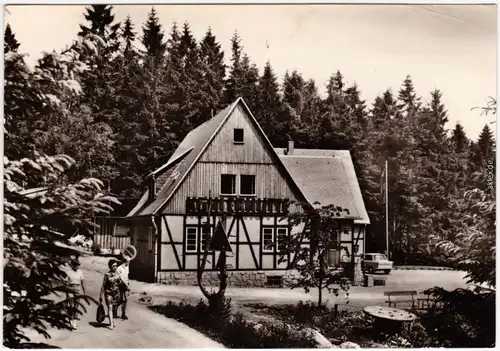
{"type": "Point", "coordinates": [235, 278]}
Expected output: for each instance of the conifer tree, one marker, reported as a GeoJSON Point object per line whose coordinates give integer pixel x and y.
{"type": "Point", "coordinates": [184, 77]}
{"type": "Point", "coordinates": [356, 106]}
{"type": "Point", "coordinates": [459, 139]}
{"type": "Point", "coordinates": [305, 130]}
{"type": "Point", "coordinates": [334, 101]}
{"type": "Point", "coordinates": [128, 35]}
{"type": "Point", "coordinates": [131, 148]}
{"type": "Point", "coordinates": [269, 107]}
{"type": "Point", "coordinates": [409, 102]}
{"type": "Point", "coordinates": [100, 83]}
{"type": "Point", "coordinates": [213, 73]}
{"type": "Point", "coordinates": [10, 42]}
{"type": "Point", "coordinates": [234, 80]}
{"type": "Point", "coordinates": [384, 108]}
{"type": "Point", "coordinates": [101, 22]}
{"type": "Point", "coordinates": [485, 146]}
{"type": "Point", "coordinates": [439, 114]}
{"type": "Point", "coordinates": [173, 51]}
{"type": "Point", "coordinates": [188, 48]}
{"type": "Point", "coordinates": [342, 115]}
{"type": "Point", "coordinates": [249, 80]}
{"type": "Point", "coordinates": [335, 85]}
{"type": "Point", "coordinates": [152, 36]}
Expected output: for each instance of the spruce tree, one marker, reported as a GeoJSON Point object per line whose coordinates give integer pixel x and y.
{"type": "Point", "coordinates": [356, 106]}
{"type": "Point", "coordinates": [438, 114]}
{"type": "Point", "coordinates": [128, 35]}
{"type": "Point", "coordinates": [485, 145]}
{"type": "Point", "coordinates": [173, 51]}
{"type": "Point", "coordinates": [100, 18]}
{"type": "Point", "coordinates": [131, 147]}
{"type": "Point", "coordinates": [10, 42]}
{"type": "Point", "coordinates": [409, 102]}
{"type": "Point", "coordinates": [305, 131]}
{"type": "Point", "coordinates": [100, 83]}
{"type": "Point", "coordinates": [269, 107]}
{"type": "Point", "coordinates": [188, 48]}
{"type": "Point", "coordinates": [249, 80]}
{"type": "Point", "coordinates": [234, 80]}
{"type": "Point", "coordinates": [335, 93]}
{"type": "Point", "coordinates": [152, 36]}
{"type": "Point", "coordinates": [213, 73]}
{"type": "Point", "coordinates": [292, 92]}
{"type": "Point", "coordinates": [459, 139]}
{"type": "Point", "coordinates": [384, 109]}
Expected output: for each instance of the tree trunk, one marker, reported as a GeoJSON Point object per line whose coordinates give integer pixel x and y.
{"type": "Point", "coordinates": [321, 275]}
{"type": "Point", "coordinates": [320, 292]}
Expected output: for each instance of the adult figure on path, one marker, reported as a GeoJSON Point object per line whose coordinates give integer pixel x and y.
{"type": "Point", "coordinates": [123, 271]}
{"type": "Point", "coordinates": [111, 290]}
{"type": "Point", "coordinates": [75, 281]}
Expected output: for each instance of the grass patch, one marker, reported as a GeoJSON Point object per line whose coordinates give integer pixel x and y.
{"type": "Point", "coordinates": [233, 330]}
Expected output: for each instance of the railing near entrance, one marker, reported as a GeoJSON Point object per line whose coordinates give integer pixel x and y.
{"type": "Point", "coordinates": [233, 205]}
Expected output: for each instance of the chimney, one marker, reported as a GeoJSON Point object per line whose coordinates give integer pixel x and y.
{"type": "Point", "coordinates": [289, 150]}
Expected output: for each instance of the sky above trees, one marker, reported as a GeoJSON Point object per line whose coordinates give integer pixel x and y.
{"type": "Point", "coordinates": [452, 48]}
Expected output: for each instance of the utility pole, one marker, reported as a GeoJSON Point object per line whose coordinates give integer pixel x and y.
{"type": "Point", "coordinates": [387, 209]}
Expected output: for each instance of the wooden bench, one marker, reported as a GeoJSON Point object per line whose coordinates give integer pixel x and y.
{"type": "Point", "coordinates": [428, 302]}
{"type": "Point", "coordinates": [392, 294]}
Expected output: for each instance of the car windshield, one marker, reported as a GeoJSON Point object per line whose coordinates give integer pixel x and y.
{"type": "Point", "coordinates": [380, 257]}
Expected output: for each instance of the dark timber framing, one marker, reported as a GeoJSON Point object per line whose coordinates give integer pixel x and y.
{"type": "Point", "coordinates": [235, 236]}
{"type": "Point", "coordinates": [173, 243]}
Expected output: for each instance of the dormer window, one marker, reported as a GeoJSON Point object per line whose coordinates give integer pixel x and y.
{"type": "Point", "coordinates": [238, 136]}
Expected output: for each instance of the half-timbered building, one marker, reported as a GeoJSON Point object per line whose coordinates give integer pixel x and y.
{"type": "Point", "coordinates": [250, 185]}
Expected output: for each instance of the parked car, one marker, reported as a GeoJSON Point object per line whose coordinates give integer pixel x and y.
{"type": "Point", "coordinates": [372, 262]}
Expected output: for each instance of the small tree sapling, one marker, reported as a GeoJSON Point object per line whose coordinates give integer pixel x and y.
{"type": "Point", "coordinates": [309, 248]}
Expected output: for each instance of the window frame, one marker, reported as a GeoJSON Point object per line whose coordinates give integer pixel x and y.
{"type": "Point", "coordinates": [186, 234]}
{"type": "Point", "coordinates": [254, 177]}
{"type": "Point", "coordinates": [264, 248]}
{"type": "Point", "coordinates": [242, 141]}
{"type": "Point", "coordinates": [210, 235]}
{"type": "Point", "coordinates": [234, 185]}
{"type": "Point", "coordinates": [278, 235]}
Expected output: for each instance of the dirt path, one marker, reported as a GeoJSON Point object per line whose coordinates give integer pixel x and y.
{"type": "Point", "coordinates": [147, 329]}
{"type": "Point", "coordinates": [144, 329]}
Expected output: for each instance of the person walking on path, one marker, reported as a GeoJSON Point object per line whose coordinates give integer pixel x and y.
{"type": "Point", "coordinates": [123, 271]}
{"type": "Point", "coordinates": [110, 289]}
{"type": "Point", "coordinates": [75, 281]}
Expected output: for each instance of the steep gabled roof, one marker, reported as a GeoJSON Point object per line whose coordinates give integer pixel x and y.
{"type": "Point", "coordinates": [188, 153]}
{"type": "Point", "coordinates": [327, 177]}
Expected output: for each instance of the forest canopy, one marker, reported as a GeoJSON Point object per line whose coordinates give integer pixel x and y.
{"type": "Point", "coordinates": [140, 88]}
